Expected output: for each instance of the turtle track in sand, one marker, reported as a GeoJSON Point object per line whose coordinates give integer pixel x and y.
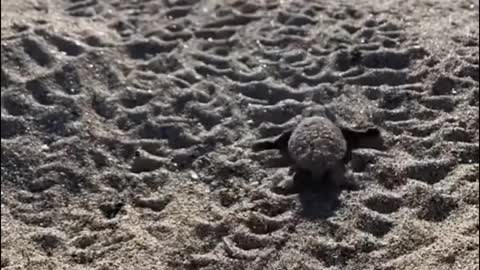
{"type": "Point", "coordinates": [135, 139]}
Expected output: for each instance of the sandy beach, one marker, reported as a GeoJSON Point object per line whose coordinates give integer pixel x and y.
{"type": "Point", "coordinates": [127, 129]}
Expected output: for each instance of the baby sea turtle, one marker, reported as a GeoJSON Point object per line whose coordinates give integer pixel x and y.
{"type": "Point", "coordinates": [318, 147]}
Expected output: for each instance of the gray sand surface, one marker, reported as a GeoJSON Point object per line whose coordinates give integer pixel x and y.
{"type": "Point", "coordinates": [127, 125]}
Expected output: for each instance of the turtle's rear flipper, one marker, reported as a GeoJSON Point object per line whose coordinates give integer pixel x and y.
{"type": "Point", "coordinates": [281, 142]}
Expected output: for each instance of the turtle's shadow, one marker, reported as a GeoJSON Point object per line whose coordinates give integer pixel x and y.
{"type": "Point", "coordinates": [319, 198]}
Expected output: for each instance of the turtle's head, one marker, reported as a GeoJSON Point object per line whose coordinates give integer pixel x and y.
{"type": "Point", "coordinates": [321, 111]}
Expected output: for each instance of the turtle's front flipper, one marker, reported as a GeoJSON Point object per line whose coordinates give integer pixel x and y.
{"type": "Point", "coordinates": [280, 143]}
{"type": "Point", "coordinates": [362, 138]}
{"type": "Point", "coordinates": [263, 145]}
{"type": "Point", "coordinates": [351, 134]}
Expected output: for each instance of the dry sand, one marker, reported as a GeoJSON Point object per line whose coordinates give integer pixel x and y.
{"type": "Point", "coordinates": [127, 127]}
